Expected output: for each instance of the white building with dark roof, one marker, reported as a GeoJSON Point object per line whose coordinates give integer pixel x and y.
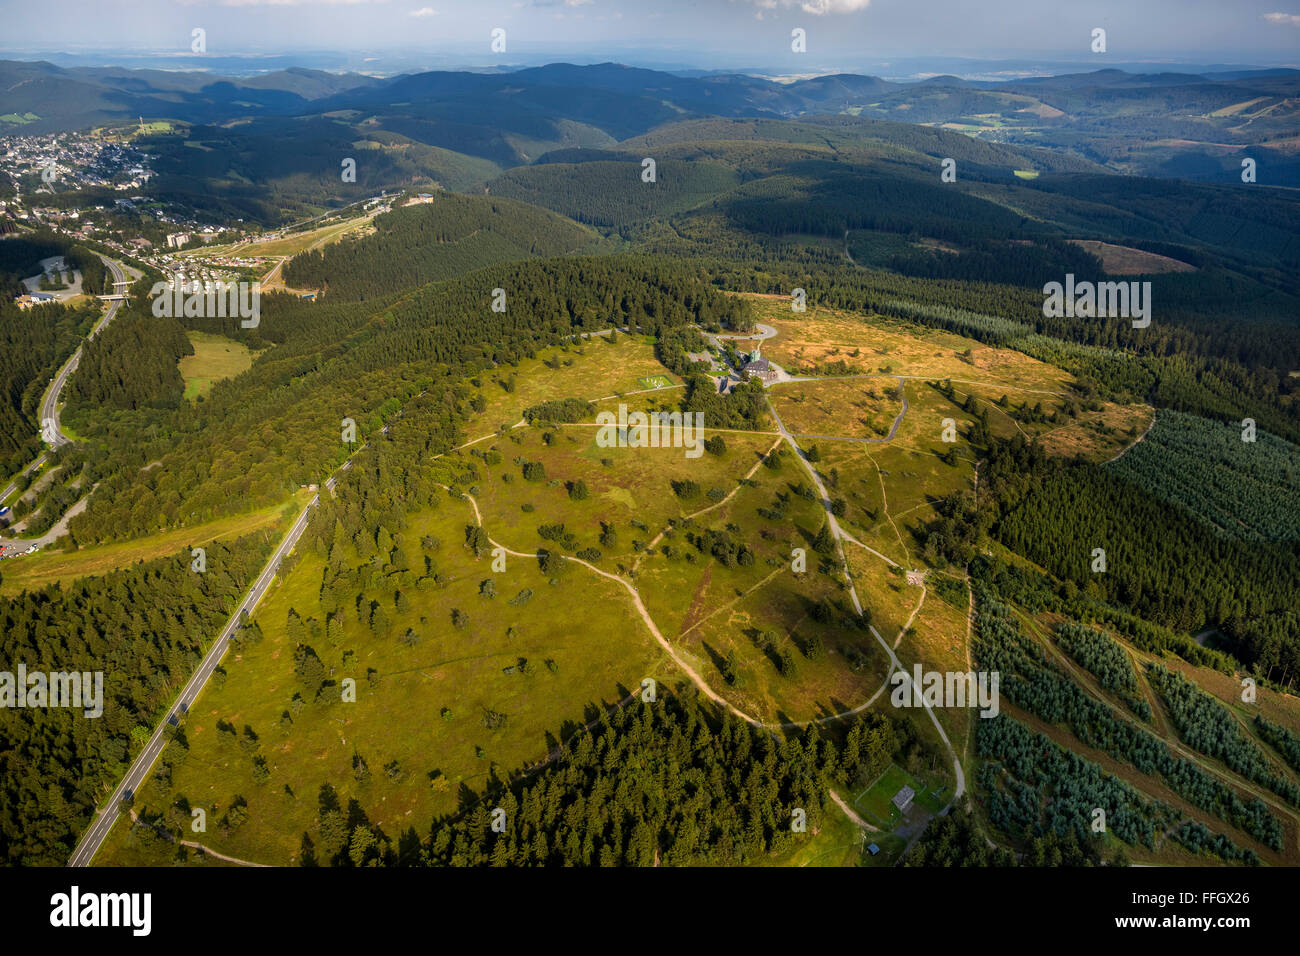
{"type": "Point", "coordinates": [758, 368]}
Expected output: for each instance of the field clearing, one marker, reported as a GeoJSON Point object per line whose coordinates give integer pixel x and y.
{"type": "Point", "coordinates": [819, 688]}
{"type": "Point", "coordinates": [588, 370]}
{"type": "Point", "coordinates": [689, 598]}
{"type": "Point", "coordinates": [715, 611]}
{"type": "Point", "coordinates": [838, 842]}
{"type": "Point", "coordinates": [849, 408]}
{"type": "Point", "coordinates": [215, 358]}
{"type": "Point", "coordinates": [875, 803]}
{"type": "Point", "coordinates": [892, 478]}
{"type": "Point", "coordinates": [418, 761]}
{"type": "Point", "coordinates": [883, 591]}
{"type": "Point", "coordinates": [922, 428]}
{"type": "Point", "coordinates": [635, 486]}
{"type": "Point", "coordinates": [937, 640]}
{"type": "Point", "coordinates": [1099, 436]}
{"type": "Point", "coordinates": [880, 537]}
{"type": "Point", "coordinates": [35, 571]}
{"type": "Point", "coordinates": [129, 131]}
{"type": "Point", "coordinates": [287, 246]}
{"type": "Point", "coordinates": [913, 477]}
{"type": "Point", "coordinates": [889, 490]}
{"type": "Point", "coordinates": [933, 634]}
{"type": "Point", "coordinates": [937, 637]}
{"type": "Point", "coordinates": [1239, 107]}
{"type": "Point", "coordinates": [874, 343]}
{"type": "Point", "coordinates": [1127, 261]}
{"type": "Point", "coordinates": [703, 607]}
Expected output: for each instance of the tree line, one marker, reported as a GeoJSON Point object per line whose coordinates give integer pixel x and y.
{"type": "Point", "coordinates": [145, 628]}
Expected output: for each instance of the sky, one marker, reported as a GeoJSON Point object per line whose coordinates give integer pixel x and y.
{"type": "Point", "coordinates": [705, 34]}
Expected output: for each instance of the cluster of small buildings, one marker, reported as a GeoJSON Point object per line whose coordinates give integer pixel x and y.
{"type": "Point", "coordinates": [751, 367]}
{"type": "Point", "coordinates": [205, 278]}
{"type": "Point", "coordinates": [77, 159]}
{"type": "Point", "coordinates": [29, 299]}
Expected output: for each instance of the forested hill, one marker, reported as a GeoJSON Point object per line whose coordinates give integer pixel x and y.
{"type": "Point", "coordinates": [144, 628]}
{"type": "Point", "coordinates": [277, 426]}
{"type": "Point", "coordinates": [582, 812]}
{"type": "Point", "coordinates": [846, 134]}
{"type": "Point", "coordinates": [1170, 565]}
{"type": "Point", "coordinates": [341, 358]}
{"type": "Point", "coordinates": [254, 150]}
{"type": "Point", "coordinates": [33, 344]}
{"type": "Point", "coordinates": [886, 165]}
{"type": "Point", "coordinates": [448, 237]}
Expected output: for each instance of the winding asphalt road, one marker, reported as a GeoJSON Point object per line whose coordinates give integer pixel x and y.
{"type": "Point", "coordinates": [13, 485]}
{"type": "Point", "coordinates": [50, 403]}
{"type": "Point", "coordinates": [764, 332]}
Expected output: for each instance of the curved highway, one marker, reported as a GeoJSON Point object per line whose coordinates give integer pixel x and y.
{"type": "Point", "coordinates": [50, 404]}
{"type": "Point", "coordinates": [9, 488]}
{"type": "Point", "coordinates": [49, 410]}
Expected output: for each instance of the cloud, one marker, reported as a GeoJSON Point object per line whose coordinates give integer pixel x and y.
{"type": "Point", "coordinates": [815, 7]}
{"type": "Point", "coordinates": [296, 3]}
{"type": "Point", "coordinates": [424, 12]}
{"type": "Point", "coordinates": [1290, 19]}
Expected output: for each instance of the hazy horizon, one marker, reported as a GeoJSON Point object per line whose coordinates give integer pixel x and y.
{"type": "Point", "coordinates": [1003, 37]}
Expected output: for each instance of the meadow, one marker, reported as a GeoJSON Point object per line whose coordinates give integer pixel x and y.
{"type": "Point", "coordinates": [215, 357]}
{"type": "Point", "coordinates": [600, 565]}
